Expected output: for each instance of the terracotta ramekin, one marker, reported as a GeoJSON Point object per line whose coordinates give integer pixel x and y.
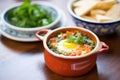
{"type": "Point", "coordinates": [70, 65]}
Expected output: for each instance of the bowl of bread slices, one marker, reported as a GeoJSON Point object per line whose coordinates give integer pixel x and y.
{"type": "Point", "coordinates": [100, 16]}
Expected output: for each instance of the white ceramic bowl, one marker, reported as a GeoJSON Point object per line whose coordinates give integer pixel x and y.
{"type": "Point", "coordinates": [49, 7]}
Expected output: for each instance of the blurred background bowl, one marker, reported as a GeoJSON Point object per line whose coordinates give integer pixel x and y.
{"type": "Point", "coordinates": [100, 28]}
{"type": "Point", "coordinates": [53, 10]}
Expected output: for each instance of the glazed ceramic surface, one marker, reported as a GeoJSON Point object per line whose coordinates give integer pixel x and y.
{"type": "Point", "coordinates": [98, 28]}
{"type": "Point", "coordinates": [70, 65]}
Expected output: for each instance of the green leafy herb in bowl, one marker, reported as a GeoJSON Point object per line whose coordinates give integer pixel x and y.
{"type": "Point", "coordinates": [31, 16]}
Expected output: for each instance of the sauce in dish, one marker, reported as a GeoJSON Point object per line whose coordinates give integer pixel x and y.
{"type": "Point", "coordinates": [71, 43]}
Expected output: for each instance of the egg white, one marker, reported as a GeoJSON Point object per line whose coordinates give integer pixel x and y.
{"type": "Point", "coordinates": [64, 50]}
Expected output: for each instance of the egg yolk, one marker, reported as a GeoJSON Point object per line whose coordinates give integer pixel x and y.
{"type": "Point", "coordinates": [69, 45]}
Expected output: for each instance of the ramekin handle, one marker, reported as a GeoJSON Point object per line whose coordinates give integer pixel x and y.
{"type": "Point", "coordinates": [41, 33]}
{"type": "Point", "coordinates": [104, 47]}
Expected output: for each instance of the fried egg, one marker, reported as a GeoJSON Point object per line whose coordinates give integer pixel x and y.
{"type": "Point", "coordinates": [67, 48]}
